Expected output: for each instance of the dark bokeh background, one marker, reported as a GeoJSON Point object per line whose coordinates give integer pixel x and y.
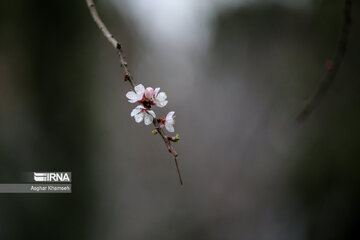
{"type": "Point", "coordinates": [236, 73]}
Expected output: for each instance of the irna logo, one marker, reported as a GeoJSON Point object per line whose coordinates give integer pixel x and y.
{"type": "Point", "coordinates": [52, 177]}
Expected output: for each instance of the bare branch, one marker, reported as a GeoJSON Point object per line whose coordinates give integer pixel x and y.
{"type": "Point", "coordinates": [168, 145]}
{"type": "Point", "coordinates": [129, 77]}
{"type": "Point", "coordinates": [332, 67]}
{"type": "Point", "coordinates": [112, 40]}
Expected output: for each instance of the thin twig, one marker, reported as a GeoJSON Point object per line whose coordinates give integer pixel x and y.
{"type": "Point", "coordinates": [170, 148]}
{"type": "Point", "coordinates": [333, 67]}
{"type": "Point", "coordinates": [178, 171]}
{"type": "Point", "coordinates": [128, 76]}
{"type": "Point", "coordinates": [112, 40]}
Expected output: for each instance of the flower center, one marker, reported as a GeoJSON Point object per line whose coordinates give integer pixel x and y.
{"type": "Point", "coordinates": [163, 120]}
{"type": "Point", "coordinates": [146, 103]}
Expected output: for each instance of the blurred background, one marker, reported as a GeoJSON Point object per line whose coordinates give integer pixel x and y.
{"type": "Point", "coordinates": [236, 72]}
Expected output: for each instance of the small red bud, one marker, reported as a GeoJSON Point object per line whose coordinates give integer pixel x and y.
{"type": "Point", "coordinates": [162, 120]}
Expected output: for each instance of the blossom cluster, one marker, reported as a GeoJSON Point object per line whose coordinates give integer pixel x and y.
{"type": "Point", "coordinates": [147, 98]}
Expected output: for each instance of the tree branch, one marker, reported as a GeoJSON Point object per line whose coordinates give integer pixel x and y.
{"type": "Point", "coordinates": [129, 77]}
{"type": "Point", "coordinates": [332, 67]}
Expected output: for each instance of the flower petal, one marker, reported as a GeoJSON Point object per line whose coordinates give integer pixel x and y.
{"type": "Point", "coordinates": [140, 89]}
{"type": "Point", "coordinates": [131, 95]}
{"type": "Point", "coordinates": [148, 119]}
{"type": "Point", "coordinates": [161, 104]}
{"type": "Point", "coordinates": [135, 111]}
{"type": "Point", "coordinates": [170, 116]}
{"type": "Point", "coordinates": [169, 127]}
{"type": "Point", "coordinates": [149, 92]}
{"type": "Point", "coordinates": [156, 91]}
{"type": "Point", "coordinates": [140, 107]}
{"type": "Point", "coordinates": [161, 97]}
{"type": "Point", "coordinates": [152, 113]}
{"type": "Point", "coordinates": [139, 117]}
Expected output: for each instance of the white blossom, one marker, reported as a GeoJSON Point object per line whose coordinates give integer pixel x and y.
{"type": "Point", "coordinates": [159, 98]}
{"type": "Point", "coordinates": [141, 113]}
{"type": "Point", "coordinates": [137, 95]}
{"type": "Point", "coordinates": [147, 97]}
{"type": "Point", "coordinates": [168, 121]}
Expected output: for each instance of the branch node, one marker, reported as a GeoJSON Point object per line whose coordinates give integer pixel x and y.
{"type": "Point", "coordinates": [126, 77]}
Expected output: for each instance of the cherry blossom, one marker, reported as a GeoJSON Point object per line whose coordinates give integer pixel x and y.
{"type": "Point", "coordinates": [141, 113]}
{"type": "Point", "coordinates": [168, 121]}
{"type": "Point", "coordinates": [137, 95]}
{"type": "Point", "coordinates": [147, 97]}
{"type": "Point", "coordinates": [159, 98]}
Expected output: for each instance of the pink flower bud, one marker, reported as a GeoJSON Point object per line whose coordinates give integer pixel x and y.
{"type": "Point", "coordinates": [149, 92]}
